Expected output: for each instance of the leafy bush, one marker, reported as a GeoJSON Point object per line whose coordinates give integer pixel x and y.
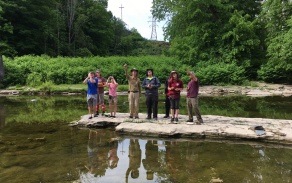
{"type": "Point", "coordinates": [276, 72]}
{"type": "Point", "coordinates": [210, 74]}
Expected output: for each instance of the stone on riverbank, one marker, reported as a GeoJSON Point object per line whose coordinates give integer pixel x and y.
{"type": "Point", "coordinates": [213, 127]}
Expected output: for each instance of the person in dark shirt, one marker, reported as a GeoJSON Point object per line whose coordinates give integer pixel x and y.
{"type": "Point", "coordinates": [151, 84]}
{"type": "Point", "coordinates": [192, 98]}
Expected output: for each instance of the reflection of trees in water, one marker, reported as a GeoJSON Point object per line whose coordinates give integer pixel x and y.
{"type": "Point", "coordinates": [2, 117]}
{"type": "Point", "coordinates": [134, 159]}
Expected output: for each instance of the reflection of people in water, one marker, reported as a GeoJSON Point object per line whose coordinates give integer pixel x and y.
{"type": "Point", "coordinates": [150, 162]}
{"type": "Point", "coordinates": [134, 159]}
{"type": "Point", "coordinates": [97, 155]}
{"type": "Point", "coordinates": [113, 158]}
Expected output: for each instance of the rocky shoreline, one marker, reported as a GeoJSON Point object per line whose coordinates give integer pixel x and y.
{"type": "Point", "coordinates": [262, 89]}
{"type": "Point", "coordinates": [214, 127]}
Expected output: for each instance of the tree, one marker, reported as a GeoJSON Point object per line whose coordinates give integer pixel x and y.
{"type": "Point", "coordinates": [277, 14]}
{"type": "Point", "coordinates": [5, 29]}
{"type": "Point", "coordinates": [216, 31]}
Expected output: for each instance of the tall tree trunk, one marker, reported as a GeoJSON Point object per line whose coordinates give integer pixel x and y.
{"type": "Point", "coordinates": [1, 68]}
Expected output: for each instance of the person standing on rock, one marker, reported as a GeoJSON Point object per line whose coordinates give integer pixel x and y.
{"type": "Point", "coordinates": [134, 91]}
{"type": "Point", "coordinates": [112, 96]}
{"type": "Point", "coordinates": [100, 96]}
{"type": "Point", "coordinates": [151, 84]}
{"type": "Point", "coordinates": [192, 98]}
{"type": "Point", "coordinates": [175, 86]}
{"type": "Point", "coordinates": [92, 92]}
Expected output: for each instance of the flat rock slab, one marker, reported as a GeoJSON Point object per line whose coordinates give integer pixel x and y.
{"type": "Point", "coordinates": [213, 127]}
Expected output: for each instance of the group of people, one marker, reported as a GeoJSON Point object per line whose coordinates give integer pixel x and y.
{"type": "Point", "coordinates": [95, 94]}
{"type": "Point", "coordinates": [173, 88]}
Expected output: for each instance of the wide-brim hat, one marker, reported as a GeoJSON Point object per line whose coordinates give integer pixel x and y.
{"type": "Point", "coordinates": [172, 72]}
{"type": "Point", "coordinates": [134, 69]}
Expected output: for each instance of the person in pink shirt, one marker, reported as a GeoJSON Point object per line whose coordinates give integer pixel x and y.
{"type": "Point", "coordinates": [112, 96]}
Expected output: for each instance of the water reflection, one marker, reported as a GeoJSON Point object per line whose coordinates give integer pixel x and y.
{"type": "Point", "coordinates": [134, 159]}
{"type": "Point", "coordinates": [153, 160]}
{"type": "Point", "coordinates": [2, 116]}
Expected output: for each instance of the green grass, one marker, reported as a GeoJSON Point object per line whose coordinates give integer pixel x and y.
{"type": "Point", "coordinates": [75, 88]}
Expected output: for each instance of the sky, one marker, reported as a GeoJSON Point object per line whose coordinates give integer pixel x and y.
{"type": "Point", "coordinates": [136, 14]}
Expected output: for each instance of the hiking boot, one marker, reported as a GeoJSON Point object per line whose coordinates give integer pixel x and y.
{"type": "Point", "coordinates": [166, 116]}
{"type": "Point", "coordinates": [190, 120]}
{"type": "Point", "coordinates": [201, 121]}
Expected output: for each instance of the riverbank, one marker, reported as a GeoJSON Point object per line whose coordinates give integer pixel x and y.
{"type": "Point", "coordinates": [214, 127]}
{"type": "Point", "coordinates": [259, 89]}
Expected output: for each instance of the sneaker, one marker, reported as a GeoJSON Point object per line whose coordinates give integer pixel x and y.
{"type": "Point", "coordinates": [155, 119]}
{"type": "Point", "coordinates": [114, 116]}
{"type": "Point", "coordinates": [148, 118]}
{"type": "Point", "coordinates": [102, 113]}
{"type": "Point", "coordinates": [136, 117]}
{"type": "Point", "coordinates": [130, 116]}
{"type": "Point", "coordinates": [90, 117]}
{"type": "Point", "coordinates": [190, 123]}
{"type": "Point", "coordinates": [190, 120]}
{"type": "Point", "coordinates": [172, 120]}
{"type": "Point", "coordinates": [176, 119]}
{"type": "Point", "coordinates": [96, 113]}
{"type": "Point", "coordinates": [166, 116]}
{"type": "Point", "coordinates": [201, 121]}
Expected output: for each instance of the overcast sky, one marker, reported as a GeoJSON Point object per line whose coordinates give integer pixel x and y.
{"type": "Point", "coordinates": [136, 13]}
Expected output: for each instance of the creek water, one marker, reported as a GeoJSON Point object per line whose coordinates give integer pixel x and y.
{"type": "Point", "coordinates": [36, 145]}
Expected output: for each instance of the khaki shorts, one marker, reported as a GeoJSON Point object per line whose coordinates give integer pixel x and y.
{"type": "Point", "coordinates": [100, 98]}
{"type": "Point", "coordinates": [112, 99]}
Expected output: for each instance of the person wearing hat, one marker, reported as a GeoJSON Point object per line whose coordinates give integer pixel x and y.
{"type": "Point", "coordinates": [151, 85]}
{"type": "Point", "coordinates": [192, 98]}
{"type": "Point", "coordinates": [100, 96]}
{"type": "Point", "coordinates": [134, 91]}
{"type": "Point", "coordinates": [175, 86]}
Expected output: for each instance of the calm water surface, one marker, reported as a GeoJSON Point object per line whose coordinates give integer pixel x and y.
{"type": "Point", "coordinates": [36, 145]}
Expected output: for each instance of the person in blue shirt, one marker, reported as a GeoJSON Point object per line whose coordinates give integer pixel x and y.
{"type": "Point", "coordinates": [92, 83]}
{"type": "Point", "coordinates": [151, 85]}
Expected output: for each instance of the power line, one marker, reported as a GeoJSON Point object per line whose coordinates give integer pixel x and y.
{"type": "Point", "coordinates": [121, 11]}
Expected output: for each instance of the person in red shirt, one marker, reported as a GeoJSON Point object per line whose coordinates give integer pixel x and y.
{"type": "Point", "coordinates": [175, 86]}
{"type": "Point", "coordinates": [192, 99]}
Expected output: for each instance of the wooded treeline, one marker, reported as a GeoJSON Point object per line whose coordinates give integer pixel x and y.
{"type": "Point", "coordinates": [221, 40]}
{"type": "Point", "coordinates": [68, 28]}
{"type": "Point", "coordinates": [254, 35]}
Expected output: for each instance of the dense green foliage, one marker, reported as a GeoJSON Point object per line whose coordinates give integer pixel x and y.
{"type": "Point", "coordinates": [224, 41]}
{"type": "Point", "coordinates": [67, 28]}
{"type": "Point", "coordinates": [254, 35]}
{"type": "Point", "coordinates": [33, 70]}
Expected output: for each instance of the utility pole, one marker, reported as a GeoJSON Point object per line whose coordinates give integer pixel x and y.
{"type": "Point", "coordinates": [121, 11]}
{"type": "Point", "coordinates": [153, 31]}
